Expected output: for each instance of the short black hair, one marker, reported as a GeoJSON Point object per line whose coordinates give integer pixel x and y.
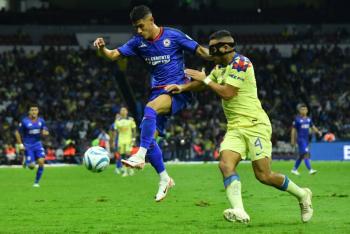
{"type": "Point", "coordinates": [139, 12]}
{"type": "Point", "coordinates": [33, 104]}
{"type": "Point", "coordinates": [220, 34]}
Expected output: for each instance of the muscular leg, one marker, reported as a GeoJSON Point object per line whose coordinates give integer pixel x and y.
{"type": "Point", "coordinates": [228, 163]}
{"type": "Point", "coordinates": [307, 161]}
{"type": "Point", "coordinates": [262, 170]}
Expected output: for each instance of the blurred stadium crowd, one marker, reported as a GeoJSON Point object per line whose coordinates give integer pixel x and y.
{"type": "Point", "coordinates": [78, 96]}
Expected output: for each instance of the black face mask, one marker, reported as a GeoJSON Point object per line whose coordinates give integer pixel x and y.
{"type": "Point", "coordinates": [214, 49]}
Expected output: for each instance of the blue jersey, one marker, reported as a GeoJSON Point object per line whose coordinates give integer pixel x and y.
{"type": "Point", "coordinates": [302, 125]}
{"type": "Point", "coordinates": [164, 55]}
{"type": "Point", "coordinates": [31, 131]}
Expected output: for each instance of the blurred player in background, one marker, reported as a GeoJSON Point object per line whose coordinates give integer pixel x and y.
{"type": "Point", "coordinates": [300, 135]}
{"type": "Point", "coordinates": [28, 137]}
{"type": "Point", "coordinates": [125, 127]}
{"type": "Point", "coordinates": [162, 49]}
{"type": "Point", "coordinates": [248, 126]}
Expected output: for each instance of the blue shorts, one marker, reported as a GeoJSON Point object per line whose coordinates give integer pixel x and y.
{"type": "Point", "coordinates": [303, 148]}
{"type": "Point", "coordinates": [179, 102]}
{"type": "Point", "coordinates": [33, 153]}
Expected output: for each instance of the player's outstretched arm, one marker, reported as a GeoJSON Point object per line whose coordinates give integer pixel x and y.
{"type": "Point", "coordinates": [100, 44]}
{"type": "Point", "coordinates": [203, 52]}
{"type": "Point", "coordinates": [226, 91]}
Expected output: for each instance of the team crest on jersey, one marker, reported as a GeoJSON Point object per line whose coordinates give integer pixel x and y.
{"type": "Point", "coordinates": [166, 42]}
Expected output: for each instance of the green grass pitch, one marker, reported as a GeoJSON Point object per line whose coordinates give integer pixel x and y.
{"type": "Point", "coordinates": [74, 200]}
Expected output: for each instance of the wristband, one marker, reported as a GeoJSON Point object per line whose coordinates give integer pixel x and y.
{"type": "Point", "coordinates": [207, 80]}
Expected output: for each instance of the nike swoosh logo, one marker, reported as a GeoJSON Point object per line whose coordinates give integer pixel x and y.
{"type": "Point", "coordinates": [257, 154]}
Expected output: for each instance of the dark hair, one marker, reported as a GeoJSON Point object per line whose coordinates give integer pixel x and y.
{"type": "Point", "coordinates": [33, 105]}
{"type": "Point", "coordinates": [220, 34]}
{"type": "Point", "coordinates": [139, 12]}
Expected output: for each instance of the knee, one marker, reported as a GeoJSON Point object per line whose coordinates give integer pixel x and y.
{"type": "Point", "coordinates": [226, 167]}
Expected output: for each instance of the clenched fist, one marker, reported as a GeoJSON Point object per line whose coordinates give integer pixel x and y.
{"type": "Point", "coordinates": [99, 43]}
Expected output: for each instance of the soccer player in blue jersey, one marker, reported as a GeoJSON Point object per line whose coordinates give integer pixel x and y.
{"type": "Point", "coordinates": [162, 49]}
{"type": "Point", "coordinates": [28, 136]}
{"type": "Point", "coordinates": [300, 135]}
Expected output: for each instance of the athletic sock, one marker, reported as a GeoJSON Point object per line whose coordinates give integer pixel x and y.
{"type": "Point", "coordinates": [155, 157]}
{"type": "Point", "coordinates": [233, 191]}
{"type": "Point", "coordinates": [307, 163]}
{"type": "Point", "coordinates": [39, 173]}
{"type": "Point", "coordinates": [297, 164]}
{"type": "Point", "coordinates": [148, 128]}
{"type": "Point", "coordinates": [292, 188]}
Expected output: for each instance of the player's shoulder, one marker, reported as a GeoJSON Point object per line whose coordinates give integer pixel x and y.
{"type": "Point", "coordinates": [130, 118]}
{"type": "Point", "coordinates": [241, 62]}
{"type": "Point", "coordinates": [170, 30]}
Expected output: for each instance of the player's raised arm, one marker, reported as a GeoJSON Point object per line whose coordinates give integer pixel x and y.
{"type": "Point", "coordinates": [100, 44]}
{"type": "Point", "coordinates": [226, 91]}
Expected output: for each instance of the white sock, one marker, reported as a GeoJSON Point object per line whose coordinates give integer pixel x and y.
{"type": "Point", "coordinates": [164, 176]}
{"type": "Point", "coordinates": [295, 190]}
{"type": "Point", "coordinates": [142, 152]}
{"type": "Point", "coordinates": [233, 193]}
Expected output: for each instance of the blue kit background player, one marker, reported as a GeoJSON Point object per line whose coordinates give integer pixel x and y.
{"type": "Point", "coordinates": [162, 49]}
{"type": "Point", "coordinates": [300, 135]}
{"type": "Point", "coordinates": [28, 136]}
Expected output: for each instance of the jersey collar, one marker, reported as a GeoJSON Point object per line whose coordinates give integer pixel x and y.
{"type": "Point", "coordinates": [158, 36]}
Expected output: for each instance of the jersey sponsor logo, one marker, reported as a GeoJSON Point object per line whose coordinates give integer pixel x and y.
{"type": "Point", "coordinates": [155, 60]}
{"type": "Point", "coordinates": [305, 126]}
{"type": "Point", "coordinates": [34, 131]}
{"type": "Point", "coordinates": [236, 77]}
{"type": "Point", "coordinates": [166, 42]}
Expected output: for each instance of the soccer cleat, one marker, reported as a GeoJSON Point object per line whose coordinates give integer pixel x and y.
{"type": "Point", "coordinates": [117, 171]}
{"type": "Point", "coordinates": [134, 161]}
{"type": "Point", "coordinates": [164, 187]}
{"type": "Point", "coordinates": [236, 215]}
{"type": "Point", "coordinates": [125, 174]}
{"type": "Point", "coordinates": [295, 172]}
{"type": "Point", "coordinates": [312, 171]}
{"type": "Point", "coordinates": [36, 185]}
{"type": "Point", "coordinates": [306, 206]}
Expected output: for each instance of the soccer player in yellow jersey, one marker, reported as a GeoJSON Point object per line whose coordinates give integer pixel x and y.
{"type": "Point", "coordinates": [125, 126]}
{"type": "Point", "coordinates": [248, 126]}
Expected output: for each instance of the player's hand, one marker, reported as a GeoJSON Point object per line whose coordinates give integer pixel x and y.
{"type": "Point", "coordinates": [174, 88]}
{"type": "Point", "coordinates": [195, 74]}
{"type": "Point", "coordinates": [21, 147]}
{"type": "Point", "coordinates": [99, 43]}
{"type": "Point", "coordinates": [45, 132]}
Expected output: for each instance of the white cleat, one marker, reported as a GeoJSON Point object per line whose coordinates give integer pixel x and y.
{"type": "Point", "coordinates": [125, 174]}
{"type": "Point", "coordinates": [117, 171]}
{"type": "Point", "coordinates": [36, 185]}
{"type": "Point", "coordinates": [164, 187]}
{"type": "Point", "coordinates": [236, 215]}
{"type": "Point", "coordinates": [312, 172]}
{"type": "Point", "coordinates": [306, 206]}
{"type": "Point", "coordinates": [295, 172]}
{"type": "Point", "coordinates": [134, 161]}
